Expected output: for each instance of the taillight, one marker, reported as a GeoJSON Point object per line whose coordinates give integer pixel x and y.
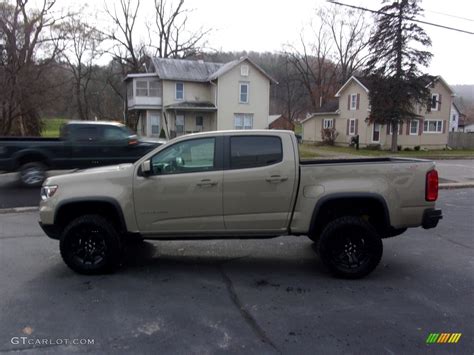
{"type": "Point", "coordinates": [431, 193]}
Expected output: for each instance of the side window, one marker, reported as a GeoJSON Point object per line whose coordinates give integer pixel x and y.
{"type": "Point", "coordinates": [114, 133]}
{"type": "Point", "coordinates": [85, 134]}
{"type": "Point", "coordinates": [185, 157]}
{"type": "Point", "coordinates": [254, 151]}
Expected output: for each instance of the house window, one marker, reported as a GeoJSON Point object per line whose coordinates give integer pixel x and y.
{"type": "Point", "coordinates": [179, 91]}
{"type": "Point", "coordinates": [130, 89]}
{"type": "Point", "coordinates": [390, 127]}
{"type": "Point", "coordinates": [414, 127]}
{"type": "Point", "coordinates": [433, 126]}
{"type": "Point", "coordinates": [353, 102]}
{"type": "Point", "coordinates": [244, 93]}
{"type": "Point", "coordinates": [244, 70]}
{"type": "Point", "coordinates": [153, 88]}
{"type": "Point", "coordinates": [243, 121]}
{"type": "Point", "coordinates": [454, 118]}
{"type": "Point", "coordinates": [141, 88]}
{"type": "Point", "coordinates": [328, 123]}
{"type": "Point", "coordinates": [434, 102]}
{"type": "Point", "coordinates": [352, 126]}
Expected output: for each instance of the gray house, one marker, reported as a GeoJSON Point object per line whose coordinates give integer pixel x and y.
{"type": "Point", "coordinates": [185, 96]}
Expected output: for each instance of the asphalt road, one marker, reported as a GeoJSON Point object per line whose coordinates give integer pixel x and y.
{"type": "Point", "coordinates": [253, 297]}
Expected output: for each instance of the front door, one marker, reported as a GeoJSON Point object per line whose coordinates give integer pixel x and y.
{"type": "Point", "coordinates": [183, 194]}
{"type": "Point", "coordinates": [259, 184]}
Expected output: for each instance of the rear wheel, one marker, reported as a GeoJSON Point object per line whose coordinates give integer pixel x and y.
{"type": "Point", "coordinates": [32, 174]}
{"type": "Point", "coordinates": [350, 247]}
{"type": "Point", "coordinates": [90, 245]}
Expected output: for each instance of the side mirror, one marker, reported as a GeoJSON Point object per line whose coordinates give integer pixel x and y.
{"type": "Point", "coordinates": [146, 168]}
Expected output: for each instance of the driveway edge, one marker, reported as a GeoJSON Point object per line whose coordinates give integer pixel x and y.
{"type": "Point", "coordinates": [19, 210]}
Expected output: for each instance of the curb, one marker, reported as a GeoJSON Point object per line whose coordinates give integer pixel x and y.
{"type": "Point", "coordinates": [18, 210]}
{"type": "Point", "coordinates": [456, 185]}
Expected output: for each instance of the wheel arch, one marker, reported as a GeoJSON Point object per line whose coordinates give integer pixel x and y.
{"type": "Point", "coordinates": [108, 207]}
{"type": "Point", "coordinates": [31, 156]}
{"type": "Point", "coordinates": [350, 204]}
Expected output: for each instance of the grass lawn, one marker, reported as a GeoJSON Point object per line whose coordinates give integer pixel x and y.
{"type": "Point", "coordinates": [52, 126]}
{"type": "Point", "coordinates": [308, 151]}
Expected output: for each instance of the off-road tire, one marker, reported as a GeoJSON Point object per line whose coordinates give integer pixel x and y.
{"type": "Point", "coordinates": [350, 247]}
{"type": "Point", "coordinates": [90, 245]}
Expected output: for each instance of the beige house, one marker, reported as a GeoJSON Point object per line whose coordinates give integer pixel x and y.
{"type": "Point", "coordinates": [348, 115]}
{"type": "Point", "coordinates": [185, 96]}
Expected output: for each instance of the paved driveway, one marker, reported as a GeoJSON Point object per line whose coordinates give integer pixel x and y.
{"type": "Point", "coordinates": [253, 297]}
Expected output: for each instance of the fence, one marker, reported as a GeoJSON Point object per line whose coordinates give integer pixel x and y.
{"type": "Point", "coordinates": [461, 140]}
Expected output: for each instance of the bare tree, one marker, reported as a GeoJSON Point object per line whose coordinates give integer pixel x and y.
{"type": "Point", "coordinates": [173, 38]}
{"type": "Point", "coordinates": [81, 49]}
{"type": "Point", "coordinates": [350, 32]}
{"type": "Point", "coordinates": [23, 73]}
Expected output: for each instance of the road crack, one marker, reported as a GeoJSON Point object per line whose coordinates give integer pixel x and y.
{"type": "Point", "coordinates": [248, 318]}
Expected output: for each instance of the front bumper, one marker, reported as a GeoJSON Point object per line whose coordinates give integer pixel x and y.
{"type": "Point", "coordinates": [51, 230]}
{"type": "Point", "coordinates": [431, 218]}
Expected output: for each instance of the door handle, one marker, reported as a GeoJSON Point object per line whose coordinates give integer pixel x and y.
{"type": "Point", "coordinates": [206, 183]}
{"type": "Point", "coordinates": [274, 179]}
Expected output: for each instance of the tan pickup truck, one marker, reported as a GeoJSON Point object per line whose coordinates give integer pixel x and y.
{"type": "Point", "coordinates": [239, 184]}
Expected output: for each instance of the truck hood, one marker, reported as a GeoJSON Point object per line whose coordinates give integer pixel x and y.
{"type": "Point", "coordinates": [89, 175]}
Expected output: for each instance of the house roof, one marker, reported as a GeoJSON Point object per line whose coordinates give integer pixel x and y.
{"type": "Point", "coordinates": [140, 75]}
{"type": "Point", "coordinates": [330, 107]}
{"type": "Point", "coordinates": [186, 70]}
{"type": "Point", "coordinates": [197, 70]}
{"type": "Point", "coordinates": [272, 118]}
{"type": "Point", "coordinates": [358, 80]}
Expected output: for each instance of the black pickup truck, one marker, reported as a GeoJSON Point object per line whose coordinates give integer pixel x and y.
{"type": "Point", "coordinates": [82, 144]}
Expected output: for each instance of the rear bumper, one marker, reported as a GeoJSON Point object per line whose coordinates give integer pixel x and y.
{"type": "Point", "coordinates": [431, 218]}
{"type": "Point", "coordinates": [51, 230]}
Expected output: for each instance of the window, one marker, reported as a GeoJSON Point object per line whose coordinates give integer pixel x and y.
{"type": "Point", "coordinates": [84, 133]}
{"type": "Point", "coordinates": [154, 88]}
{"type": "Point", "coordinates": [243, 121]}
{"type": "Point", "coordinates": [352, 126]}
{"type": "Point", "coordinates": [353, 102]}
{"type": "Point", "coordinates": [147, 88]}
{"type": "Point", "coordinates": [454, 118]}
{"type": "Point", "coordinates": [433, 126]}
{"type": "Point", "coordinates": [244, 70]}
{"type": "Point", "coordinates": [244, 93]}
{"type": "Point", "coordinates": [328, 123]}
{"type": "Point", "coordinates": [112, 133]}
{"type": "Point", "coordinates": [185, 157]}
{"type": "Point", "coordinates": [398, 126]}
{"type": "Point", "coordinates": [141, 88]}
{"type": "Point", "coordinates": [254, 151]}
{"type": "Point", "coordinates": [130, 89]}
{"type": "Point", "coordinates": [199, 121]}
{"type": "Point", "coordinates": [414, 127]}
{"type": "Point", "coordinates": [179, 91]}
{"type": "Point", "coordinates": [179, 124]}
{"type": "Point", "coordinates": [434, 102]}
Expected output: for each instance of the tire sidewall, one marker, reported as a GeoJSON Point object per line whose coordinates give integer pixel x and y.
{"type": "Point", "coordinates": [111, 238]}
{"type": "Point", "coordinates": [358, 225]}
{"type": "Point", "coordinates": [41, 168]}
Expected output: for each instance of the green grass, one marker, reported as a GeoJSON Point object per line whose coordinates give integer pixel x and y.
{"type": "Point", "coordinates": [308, 151]}
{"type": "Point", "coordinates": [298, 128]}
{"type": "Point", "coordinates": [52, 126]}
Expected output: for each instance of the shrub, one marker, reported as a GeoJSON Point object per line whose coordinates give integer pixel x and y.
{"type": "Point", "coordinates": [407, 149]}
{"type": "Point", "coordinates": [374, 147]}
{"type": "Point", "coordinates": [329, 135]}
{"type": "Point", "coordinates": [417, 148]}
{"type": "Point", "coordinates": [399, 147]}
{"type": "Point", "coordinates": [162, 133]}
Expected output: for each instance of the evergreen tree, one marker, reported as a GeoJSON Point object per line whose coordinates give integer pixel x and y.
{"type": "Point", "coordinates": [396, 55]}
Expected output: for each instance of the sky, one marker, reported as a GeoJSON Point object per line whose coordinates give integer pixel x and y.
{"type": "Point", "coordinates": [269, 25]}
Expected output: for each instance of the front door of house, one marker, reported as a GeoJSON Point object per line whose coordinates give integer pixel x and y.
{"type": "Point", "coordinates": [376, 133]}
{"type": "Point", "coordinates": [155, 124]}
{"type": "Point", "coordinates": [179, 125]}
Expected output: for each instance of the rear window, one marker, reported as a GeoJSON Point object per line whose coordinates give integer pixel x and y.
{"type": "Point", "coordinates": [254, 151]}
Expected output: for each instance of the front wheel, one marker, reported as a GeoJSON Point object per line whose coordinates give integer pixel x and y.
{"type": "Point", "coordinates": [350, 247]}
{"type": "Point", "coordinates": [90, 245]}
{"type": "Point", "coordinates": [32, 174]}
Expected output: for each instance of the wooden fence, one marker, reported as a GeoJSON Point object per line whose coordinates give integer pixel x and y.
{"type": "Point", "coordinates": [461, 140]}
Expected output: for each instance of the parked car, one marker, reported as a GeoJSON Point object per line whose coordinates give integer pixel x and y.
{"type": "Point", "coordinates": [82, 144]}
{"type": "Point", "coordinates": [239, 184]}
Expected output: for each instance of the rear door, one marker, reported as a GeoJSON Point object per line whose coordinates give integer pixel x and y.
{"type": "Point", "coordinates": [259, 183]}
{"type": "Point", "coordinates": [84, 141]}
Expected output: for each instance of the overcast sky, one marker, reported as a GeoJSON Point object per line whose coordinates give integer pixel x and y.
{"type": "Point", "coordinates": [267, 25]}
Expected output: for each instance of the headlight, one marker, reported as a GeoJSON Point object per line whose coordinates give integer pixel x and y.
{"type": "Point", "coordinates": [48, 191]}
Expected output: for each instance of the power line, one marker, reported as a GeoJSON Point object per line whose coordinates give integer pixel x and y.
{"type": "Point", "coordinates": [405, 18]}
{"type": "Point", "coordinates": [449, 15]}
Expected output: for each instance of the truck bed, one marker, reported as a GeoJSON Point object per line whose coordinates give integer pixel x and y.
{"type": "Point", "coordinates": [359, 160]}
